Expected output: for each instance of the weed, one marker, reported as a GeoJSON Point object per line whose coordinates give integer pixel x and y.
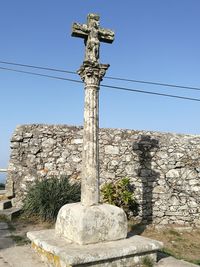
{"type": "Point", "coordinates": [174, 232]}
{"type": "Point", "coordinates": [147, 262]}
{"type": "Point", "coordinates": [167, 251]}
{"type": "Point", "coordinates": [197, 262]}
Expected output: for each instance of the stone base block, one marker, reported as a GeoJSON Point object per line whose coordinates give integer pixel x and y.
{"type": "Point", "coordinates": [93, 224]}
{"type": "Point", "coordinates": [58, 252]}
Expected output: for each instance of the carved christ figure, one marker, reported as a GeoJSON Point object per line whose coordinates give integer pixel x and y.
{"type": "Point", "coordinates": [93, 35]}
{"type": "Point", "coordinates": [92, 43]}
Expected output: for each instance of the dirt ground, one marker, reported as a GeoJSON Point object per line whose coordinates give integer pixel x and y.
{"type": "Point", "coordinates": [20, 226]}
{"type": "Point", "coordinates": [179, 242]}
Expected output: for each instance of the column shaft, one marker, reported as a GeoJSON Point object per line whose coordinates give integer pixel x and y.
{"type": "Point", "coordinates": [90, 166]}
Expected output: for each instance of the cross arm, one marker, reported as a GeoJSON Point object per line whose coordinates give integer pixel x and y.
{"type": "Point", "coordinates": [106, 35]}
{"type": "Point", "coordinates": [80, 30]}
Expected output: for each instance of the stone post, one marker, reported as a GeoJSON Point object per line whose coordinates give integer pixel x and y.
{"type": "Point", "coordinates": [91, 74]}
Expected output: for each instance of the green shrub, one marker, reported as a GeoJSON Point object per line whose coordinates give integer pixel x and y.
{"type": "Point", "coordinates": [46, 197]}
{"type": "Point", "coordinates": [120, 194]}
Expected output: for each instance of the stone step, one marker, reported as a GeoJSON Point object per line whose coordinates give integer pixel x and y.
{"type": "Point", "coordinates": [5, 204]}
{"type": "Point", "coordinates": [10, 213]}
{"type": "Point", "coordinates": [58, 251]}
{"type": "Point", "coordinates": [2, 192]}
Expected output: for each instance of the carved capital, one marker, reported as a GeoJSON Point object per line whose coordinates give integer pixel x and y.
{"type": "Point", "coordinates": [92, 73]}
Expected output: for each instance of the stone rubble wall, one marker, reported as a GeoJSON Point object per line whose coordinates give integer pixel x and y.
{"type": "Point", "coordinates": [164, 168]}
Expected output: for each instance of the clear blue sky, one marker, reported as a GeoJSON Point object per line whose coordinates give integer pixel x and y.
{"type": "Point", "coordinates": [155, 40]}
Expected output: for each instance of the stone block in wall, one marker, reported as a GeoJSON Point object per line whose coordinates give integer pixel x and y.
{"type": "Point", "coordinates": [113, 150]}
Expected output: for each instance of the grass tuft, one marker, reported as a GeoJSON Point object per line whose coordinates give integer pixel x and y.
{"type": "Point", "coordinates": [147, 262]}
{"type": "Point", "coordinates": [46, 197]}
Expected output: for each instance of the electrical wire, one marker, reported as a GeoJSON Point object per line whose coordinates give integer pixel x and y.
{"type": "Point", "coordinates": [106, 77]}
{"type": "Point", "coordinates": [39, 74]}
{"type": "Point", "coordinates": [103, 85]}
{"type": "Point", "coordinates": [37, 67]}
{"type": "Point", "coordinates": [154, 83]}
{"type": "Point", "coordinates": [150, 93]}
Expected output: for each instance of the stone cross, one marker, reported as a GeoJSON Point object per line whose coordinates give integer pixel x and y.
{"type": "Point", "coordinates": [93, 35]}
{"type": "Point", "coordinates": [91, 72]}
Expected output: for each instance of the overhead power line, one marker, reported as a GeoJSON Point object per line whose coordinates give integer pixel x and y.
{"type": "Point", "coordinates": [150, 93]}
{"type": "Point", "coordinates": [103, 85]}
{"type": "Point", "coordinates": [154, 83]}
{"type": "Point", "coordinates": [40, 74]}
{"type": "Point", "coordinates": [37, 67]}
{"type": "Point", "coordinates": [106, 77]}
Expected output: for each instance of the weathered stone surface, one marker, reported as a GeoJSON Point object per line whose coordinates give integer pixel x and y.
{"type": "Point", "coordinates": [172, 262]}
{"type": "Point", "coordinates": [156, 181]}
{"type": "Point", "coordinates": [91, 75]}
{"type": "Point", "coordinates": [86, 225]}
{"type": "Point", "coordinates": [113, 150]}
{"type": "Point", "coordinates": [91, 72]}
{"type": "Point", "coordinates": [126, 252]}
{"type": "Point", "coordinates": [92, 34]}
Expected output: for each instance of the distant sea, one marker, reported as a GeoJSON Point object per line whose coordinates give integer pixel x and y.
{"type": "Point", "coordinates": [2, 177]}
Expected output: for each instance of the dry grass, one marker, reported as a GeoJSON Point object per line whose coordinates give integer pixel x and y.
{"type": "Point", "coordinates": [179, 242]}
{"type": "Point", "coordinates": [3, 197]}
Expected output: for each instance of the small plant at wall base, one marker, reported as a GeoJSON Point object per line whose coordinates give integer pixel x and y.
{"type": "Point", "coordinates": [45, 198]}
{"type": "Point", "coordinates": [120, 194]}
{"type": "Point", "coordinates": [147, 262]}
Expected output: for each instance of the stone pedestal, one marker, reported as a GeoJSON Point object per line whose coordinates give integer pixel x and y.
{"type": "Point", "coordinates": [86, 225]}
{"type": "Point", "coordinates": [58, 252]}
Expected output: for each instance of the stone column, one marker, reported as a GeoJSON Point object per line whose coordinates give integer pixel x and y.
{"type": "Point", "coordinates": [91, 74]}
{"type": "Point", "coordinates": [89, 221]}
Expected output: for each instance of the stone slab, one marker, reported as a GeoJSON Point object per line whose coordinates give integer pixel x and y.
{"type": "Point", "coordinates": [3, 226]}
{"type": "Point", "coordinates": [4, 233]}
{"type": "Point", "coordinates": [2, 192]}
{"type": "Point", "coordinates": [86, 225]}
{"type": "Point", "coordinates": [10, 213]}
{"type": "Point", "coordinates": [57, 251]}
{"type": "Point", "coordinates": [172, 262]}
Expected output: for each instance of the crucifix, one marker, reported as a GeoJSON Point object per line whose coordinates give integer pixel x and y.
{"type": "Point", "coordinates": [91, 72]}
{"type": "Point", "coordinates": [92, 35]}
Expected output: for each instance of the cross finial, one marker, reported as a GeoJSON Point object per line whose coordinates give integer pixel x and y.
{"type": "Point", "coordinates": [93, 35]}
